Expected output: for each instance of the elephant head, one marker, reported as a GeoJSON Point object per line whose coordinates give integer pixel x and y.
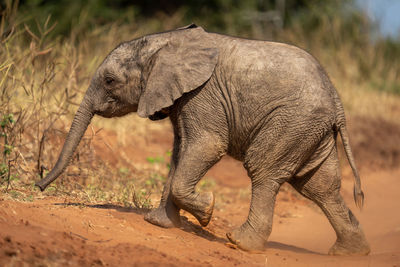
{"type": "Point", "coordinates": [145, 75]}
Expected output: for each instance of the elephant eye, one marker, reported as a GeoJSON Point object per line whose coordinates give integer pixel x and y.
{"type": "Point", "coordinates": [109, 80]}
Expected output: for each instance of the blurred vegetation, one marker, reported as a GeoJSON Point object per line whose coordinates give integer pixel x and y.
{"type": "Point", "coordinates": [325, 28]}
{"type": "Point", "coordinates": [50, 49]}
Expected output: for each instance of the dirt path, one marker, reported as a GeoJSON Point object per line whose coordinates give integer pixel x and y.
{"type": "Point", "coordinates": [57, 232]}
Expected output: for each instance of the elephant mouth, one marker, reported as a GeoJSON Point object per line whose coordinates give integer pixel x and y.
{"type": "Point", "coordinates": [160, 115]}
{"type": "Point", "coordinates": [116, 110]}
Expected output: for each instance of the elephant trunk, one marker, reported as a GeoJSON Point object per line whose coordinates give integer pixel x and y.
{"type": "Point", "coordinates": [79, 125]}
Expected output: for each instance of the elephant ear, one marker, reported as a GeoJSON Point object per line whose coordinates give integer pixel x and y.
{"type": "Point", "coordinates": [182, 64]}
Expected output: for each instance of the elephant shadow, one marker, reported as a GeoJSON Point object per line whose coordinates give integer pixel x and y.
{"type": "Point", "coordinates": [292, 248]}
{"type": "Point", "coordinates": [139, 211]}
{"type": "Point", "coordinates": [190, 227]}
{"type": "Point", "coordinates": [196, 229]}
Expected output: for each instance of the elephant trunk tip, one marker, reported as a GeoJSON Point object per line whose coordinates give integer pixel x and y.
{"type": "Point", "coordinates": [42, 184]}
{"type": "Point", "coordinates": [41, 187]}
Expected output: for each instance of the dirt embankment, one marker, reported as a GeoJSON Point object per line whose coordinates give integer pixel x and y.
{"type": "Point", "coordinates": [64, 231]}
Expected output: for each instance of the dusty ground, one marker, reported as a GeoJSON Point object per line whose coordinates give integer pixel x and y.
{"type": "Point", "coordinates": [63, 231]}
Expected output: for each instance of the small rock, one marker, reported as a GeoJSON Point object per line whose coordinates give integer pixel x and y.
{"type": "Point", "coordinates": [10, 253]}
{"type": "Point", "coordinates": [7, 239]}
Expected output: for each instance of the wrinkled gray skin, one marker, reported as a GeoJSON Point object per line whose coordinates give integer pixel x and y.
{"type": "Point", "coordinates": [269, 105]}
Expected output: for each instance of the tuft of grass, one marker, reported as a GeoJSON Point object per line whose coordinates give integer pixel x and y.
{"type": "Point", "coordinates": [158, 159]}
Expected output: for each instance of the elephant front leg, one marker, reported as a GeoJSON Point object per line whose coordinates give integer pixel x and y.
{"type": "Point", "coordinates": [167, 213]}
{"type": "Point", "coordinates": [194, 161]}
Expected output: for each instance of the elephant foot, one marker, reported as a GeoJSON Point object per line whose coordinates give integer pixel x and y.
{"type": "Point", "coordinates": [204, 208]}
{"type": "Point", "coordinates": [246, 238]}
{"type": "Point", "coordinates": [357, 246]}
{"type": "Point", "coordinates": [167, 217]}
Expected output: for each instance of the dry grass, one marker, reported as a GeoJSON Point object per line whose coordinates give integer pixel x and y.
{"type": "Point", "coordinates": [41, 83]}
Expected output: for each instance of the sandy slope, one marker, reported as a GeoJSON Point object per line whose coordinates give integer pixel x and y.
{"type": "Point", "coordinates": [55, 232]}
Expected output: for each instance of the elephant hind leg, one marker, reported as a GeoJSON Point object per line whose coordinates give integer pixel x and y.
{"type": "Point", "coordinates": [269, 162]}
{"type": "Point", "coordinates": [323, 187]}
{"type": "Point", "coordinates": [253, 234]}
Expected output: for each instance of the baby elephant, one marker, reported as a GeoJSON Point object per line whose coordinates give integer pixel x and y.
{"type": "Point", "coordinates": [269, 105]}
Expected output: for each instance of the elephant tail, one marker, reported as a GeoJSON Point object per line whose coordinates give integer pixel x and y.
{"type": "Point", "coordinates": [357, 193]}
